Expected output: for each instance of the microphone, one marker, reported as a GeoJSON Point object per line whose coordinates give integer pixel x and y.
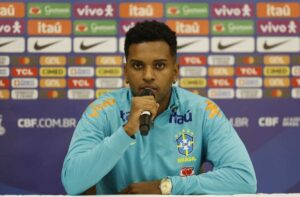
{"type": "Point", "coordinates": [145, 117]}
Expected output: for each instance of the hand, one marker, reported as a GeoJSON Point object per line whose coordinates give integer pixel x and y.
{"type": "Point", "coordinates": [140, 104]}
{"type": "Point", "coordinates": [150, 187]}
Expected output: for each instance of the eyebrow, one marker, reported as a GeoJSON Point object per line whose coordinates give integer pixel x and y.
{"type": "Point", "coordinates": [157, 60]}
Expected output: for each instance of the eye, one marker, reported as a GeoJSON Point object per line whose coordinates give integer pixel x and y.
{"type": "Point", "coordinates": [160, 65]}
{"type": "Point", "coordinates": [137, 66]}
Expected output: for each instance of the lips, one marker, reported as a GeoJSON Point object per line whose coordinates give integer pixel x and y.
{"type": "Point", "coordinates": [152, 88]}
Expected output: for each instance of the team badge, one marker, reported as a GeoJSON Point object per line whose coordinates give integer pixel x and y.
{"type": "Point", "coordinates": [185, 143]}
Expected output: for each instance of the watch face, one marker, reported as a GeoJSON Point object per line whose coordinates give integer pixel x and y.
{"type": "Point", "coordinates": [166, 186]}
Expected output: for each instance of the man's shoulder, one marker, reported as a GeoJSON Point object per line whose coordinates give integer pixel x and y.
{"type": "Point", "coordinates": [195, 101]}
{"type": "Point", "coordinates": [117, 95]}
{"type": "Point", "coordinates": [188, 97]}
{"type": "Point", "coordinates": [108, 101]}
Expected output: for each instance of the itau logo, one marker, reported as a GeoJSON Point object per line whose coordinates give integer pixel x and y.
{"type": "Point", "coordinates": [2, 129]}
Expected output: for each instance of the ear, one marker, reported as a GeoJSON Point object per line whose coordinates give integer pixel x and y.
{"type": "Point", "coordinates": [125, 73]}
{"type": "Point", "coordinates": [176, 72]}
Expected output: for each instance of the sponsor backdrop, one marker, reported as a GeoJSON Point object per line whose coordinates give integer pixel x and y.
{"type": "Point", "coordinates": [56, 57]}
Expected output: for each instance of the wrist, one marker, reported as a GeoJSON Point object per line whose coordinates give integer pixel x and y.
{"type": "Point", "coordinates": [129, 130]}
{"type": "Point", "coordinates": [166, 186]}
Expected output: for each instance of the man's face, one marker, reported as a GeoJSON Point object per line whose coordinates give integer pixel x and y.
{"type": "Point", "coordinates": [150, 65]}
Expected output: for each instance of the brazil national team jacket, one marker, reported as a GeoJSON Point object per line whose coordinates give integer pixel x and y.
{"type": "Point", "coordinates": [192, 130]}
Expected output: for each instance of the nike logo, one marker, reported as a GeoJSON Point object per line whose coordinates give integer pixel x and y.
{"type": "Point", "coordinates": [86, 47]}
{"type": "Point", "coordinates": [40, 47]}
{"type": "Point", "coordinates": [267, 46]}
{"type": "Point", "coordinates": [186, 44]}
{"type": "Point", "coordinates": [222, 47]}
{"type": "Point", "coordinates": [6, 43]}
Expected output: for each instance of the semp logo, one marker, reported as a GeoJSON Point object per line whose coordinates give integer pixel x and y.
{"type": "Point", "coordinates": [2, 129]}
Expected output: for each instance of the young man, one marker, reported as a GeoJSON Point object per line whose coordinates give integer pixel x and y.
{"type": "Point", "coordinates": [108, 150]}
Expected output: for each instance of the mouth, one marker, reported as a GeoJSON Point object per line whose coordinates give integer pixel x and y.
{"type": "Point", "coordinates": [152, 88]}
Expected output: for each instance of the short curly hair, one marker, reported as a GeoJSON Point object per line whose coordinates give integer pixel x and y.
{"type": "Point", "coordinates": [148, 31]}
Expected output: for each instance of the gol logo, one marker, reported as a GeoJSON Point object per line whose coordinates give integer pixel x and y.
{"type": "Point", "coordinates": [4, 94]}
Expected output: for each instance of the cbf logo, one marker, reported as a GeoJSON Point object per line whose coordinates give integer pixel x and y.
{"type": "Point", "coordinates": [2, 129]}
{"type": "Point", "coordinates": [185, 142]}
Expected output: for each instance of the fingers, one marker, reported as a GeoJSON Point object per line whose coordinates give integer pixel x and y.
{"type": "Point", "coordinates": [125, 191]}
{"type": "Point", "coordinates": [139, 105]}
{"type": "Point", "coordinates": [146, 103]}
{"type": "Point", "coordinates": [154, 111]}
{"type": "Point", "coordinates": [130, 189]}
{"type": "Point", "coordinates": [149, 187]}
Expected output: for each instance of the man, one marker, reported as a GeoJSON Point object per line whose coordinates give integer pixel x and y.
{"type": "Point", "coordinates": [108, 150]}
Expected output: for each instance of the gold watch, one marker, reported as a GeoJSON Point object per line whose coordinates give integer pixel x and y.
{"type": "Point", "coordinates": [165, 186]}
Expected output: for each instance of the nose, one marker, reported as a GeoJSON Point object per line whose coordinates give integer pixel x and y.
{"type": "Point", "coordinates": [148, 74]}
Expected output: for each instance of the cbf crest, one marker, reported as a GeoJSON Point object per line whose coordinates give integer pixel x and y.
{"type": "Point", "coordinates": [185, 142]}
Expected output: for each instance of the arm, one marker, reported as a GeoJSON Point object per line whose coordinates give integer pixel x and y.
{"type": "Point", "coordinates": [94, 149]}
{"type": "Point", "coordinates": [233, 172]}
{"type": "Point", "coordinates": [90, 149]}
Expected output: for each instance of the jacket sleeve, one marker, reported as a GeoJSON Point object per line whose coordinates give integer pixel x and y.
{"type": "Point", "coordinates": [93, 151]}
{"type": "Point", "coordinates": [232, 172]}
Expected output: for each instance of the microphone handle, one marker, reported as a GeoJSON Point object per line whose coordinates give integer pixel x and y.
{"type": "Point", "coordinates": [145, 117]}
{"type": "Point", "coordinates": [145, 120]}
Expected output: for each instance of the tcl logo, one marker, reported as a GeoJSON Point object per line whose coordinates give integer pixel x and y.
{"type": "Point", "coordinates": [24, 72]}
{"type": "Point", "coordinates": [192, 60]}
{"type": "Point", "coordinates": [81, 83]}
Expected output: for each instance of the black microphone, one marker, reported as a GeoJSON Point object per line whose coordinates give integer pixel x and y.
{"type": "Point", "coordinates": [145, 118]}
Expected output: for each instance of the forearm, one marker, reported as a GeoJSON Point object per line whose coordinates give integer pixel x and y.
{"type": "Point", "coordinates": [224, 181]}
{"type": "Point", "coordinates": [85, 167]}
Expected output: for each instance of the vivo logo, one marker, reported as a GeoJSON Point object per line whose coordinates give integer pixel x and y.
{"type": "Point", "coordinates": [180, 119]}
{"type": "Point", "coordinates": [94, 10]}
{"type": "Point", "coordinates": [232, 10]}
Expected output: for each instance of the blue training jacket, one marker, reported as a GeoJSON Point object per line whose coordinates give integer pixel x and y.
{"type": "Point", "coordinates": [190, 131]}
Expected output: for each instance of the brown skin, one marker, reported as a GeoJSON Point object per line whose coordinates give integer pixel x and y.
{"type": "Point", "coordinates": [149, 65]}
{"type": "Point", "coordinates": [149, 187]}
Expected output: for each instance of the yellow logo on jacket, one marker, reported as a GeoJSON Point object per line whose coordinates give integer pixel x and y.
{"type": "Point", "coordinates": [96, 108]}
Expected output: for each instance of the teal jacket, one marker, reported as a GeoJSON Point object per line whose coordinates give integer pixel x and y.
{"type": "Point", "coordinates": [192, 130]}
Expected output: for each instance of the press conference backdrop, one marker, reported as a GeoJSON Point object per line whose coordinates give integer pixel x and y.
{"type": "Point", "coordinates": [56, 57]}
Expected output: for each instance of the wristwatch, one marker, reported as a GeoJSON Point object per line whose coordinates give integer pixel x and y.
{"type": "Point", "coordinates": [165, 186]}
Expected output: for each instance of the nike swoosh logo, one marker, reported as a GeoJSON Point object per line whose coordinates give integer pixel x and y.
{"type": "Point", "coordinates": [6, 43]}
{"type": "Point", "coordinates": [267, 46]}
{"type": "Point", "coordinates": [222, 47]}
{"type": "Point", "coordinates": [186, 44]}
{"type": "Point", "coordinates": [40, 47]}
{"type": "Point", "coordinates": [86, 47]}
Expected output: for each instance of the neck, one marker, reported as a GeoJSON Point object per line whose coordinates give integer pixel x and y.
{"type": "Point", "coordinates": [165, 103]}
